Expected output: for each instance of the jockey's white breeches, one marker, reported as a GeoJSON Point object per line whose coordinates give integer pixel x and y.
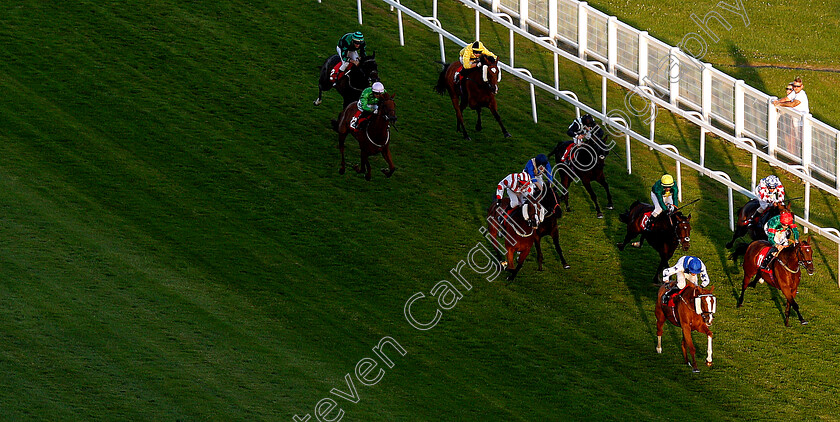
{"type": "Point", "coordinates": [516, 198]}
{"type": "Point", "coordinates": [781, 238]}
{"type": "Point", "coordinates": [351, 55]}
{"type": "Point", "coordinates": [669, 200]}
{"type": "Point", "coordinates": [762, 205]}
{"type": "Point", "coordinates": [683, 277]}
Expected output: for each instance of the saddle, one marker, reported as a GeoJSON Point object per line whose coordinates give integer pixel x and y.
{"type": "Point", "coordinates": [336, 74]}
{"type": "Point", "coordinates": [567, 148]}
{"type": "Point", "coordinates": [643, 222]}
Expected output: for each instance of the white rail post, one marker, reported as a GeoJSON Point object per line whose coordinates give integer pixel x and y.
{"type": "Point", "coordinates": [552, 19]}
{"type": "Point", "coordinates": [603, 86]}
{"type": "Point", "coordinates": [494, 6]}
{"type": "Point", "coordinates": [533, 94]}
{"type": "Point", "coordinates": [679, 171]}
{"type": "Point", "coordinates": [359, 8]}
{"type": "Point", "coordinates": [706, 90]}
{"type": "Point", "coordinates": [751, 143]}
{"type": "Point", "coordinates": [731, 199]}
{"type": "Point", "coordinates": [583, 23]}
{"type": "Point", "coordinates": [837, 163]}
{"type": "Point", "coordinates": [523, 14]}
{"type": "Point", "coordinates": [553, 42]}
{"type": "Point", "coordinates": [643, 57]}
{"type": "Point", "coordinates": [806, 162]}
{"type": "Point", "coordinates": [652, 121]}
{"type": "Point", "coordinates": [400, 24]}
{"type": "Point", "coordinates": [674, 75]}
{"type": "Point", "coordinates": [434, 10]}
{"type": "Point", "coordinates": [477, 20]}
{"type": "Point", "coordinates": [739, 108]}
{"type": "Point", "coordinates": [772, 127]}
{"type": "Point", "coordinates": [612, 42]}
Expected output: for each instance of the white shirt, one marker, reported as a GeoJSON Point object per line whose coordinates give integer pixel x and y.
{"type": "Point", "coordinates": [803, 101]}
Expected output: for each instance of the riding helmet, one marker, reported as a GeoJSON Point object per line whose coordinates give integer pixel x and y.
{"type": "Point", "coordinates": [357, 36]}
{"type": "Point", "coordinates": [693, 265]}
{"type": "Point", "coordinates": [786, 218]}
{"type": "Point", "coordinates": [378, 87]}
{"type": "Point", "coordinates": [667, 181]}
{"type": "Point", "coordinates": [541, 160]}
{"type": "Point", "coordinates": [477, 47]}
{"type": "Point", "coordinates": [772, 182]}
{"type": "Point", "coordinates": [588, 120]}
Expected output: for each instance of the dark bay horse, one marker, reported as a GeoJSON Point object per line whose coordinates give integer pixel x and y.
{"type": "Point", "coordinates": [786, 271]}
{"type": "Point", "coordinates": [520, 233]}
{"type": "Point", "coordinates": [693, 310]}
{"type": "Point", "coordinates": [667, 232]}
{"type": "Point", "coordinates": [585, 164]}
{"type": "Point", "coordinates": [478, 89]}
{"type": "Point", "coordinates": [746, 224]}
{"type": "Point", "coordinates": [351, 85]}
{"type": "Point", "coordinates": [374, 138]}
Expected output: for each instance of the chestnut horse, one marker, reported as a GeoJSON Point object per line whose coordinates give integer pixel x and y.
{"type": "Point", "coordinates": [667, 232]}
{"type": "Point", "coordinates": [550, 202]}
{"type": "Point", "coordinates": [694, 309]}
{"type": "Point", "coordinates": [746, 224]}
{"type": "Point", "coordinates": [785, 268]}
{"type": "Point", "coordinates": [520, 233]}
{"type": "Point", "coordinates": [478, 89]}
{"type": "Point", "coordinates": [354, 81]}
{"type": "Point", "coordinates": [374, 138]}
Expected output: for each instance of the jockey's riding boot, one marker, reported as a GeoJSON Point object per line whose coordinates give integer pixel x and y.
{"type": "Point", "coordinates": [669, 293]}
{"type": "Point", "coordinates": [769, 257]}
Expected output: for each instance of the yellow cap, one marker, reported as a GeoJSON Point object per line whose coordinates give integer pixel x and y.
{"type": "Point", "coordinates": [667, 180]}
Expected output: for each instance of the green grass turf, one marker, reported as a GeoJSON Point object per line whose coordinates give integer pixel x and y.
{"type": "Point", "coordinates": [176, 243]}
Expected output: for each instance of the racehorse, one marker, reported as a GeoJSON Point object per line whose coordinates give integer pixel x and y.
{"type": "Point", "coordinates": [754, 226]}
{"type": "Point", "coordinates": [520, 233]}
{"type": "Point", "coordinates": [667, 232]}
{"type": "Point", "coordinates": [374, 138]}
{"type": "Point", "coordinates": [587, 164]}
{"type": "Point", "coordinates": [693, 310]}
{"type": "Point", "coordinates": [351, 85]}
{"type": "Point", "coordinates": [548, 226]}
{"type": "Point", "coordinates": [785, 271]}
{"type": "Point", "coordinates": [478, 89]}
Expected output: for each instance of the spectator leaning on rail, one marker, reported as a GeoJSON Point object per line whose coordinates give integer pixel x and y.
{"type": "Point", "coordinates": [797, 99]}
{"type": "Point", "coordinates": [688, 268]}
{"type": "Point", "coordinates": [769, 191]}
{"type": "Point", "coordinates": [779, 230]}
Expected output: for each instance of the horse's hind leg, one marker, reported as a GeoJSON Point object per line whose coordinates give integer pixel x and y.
{"type": "Point", "coordinates": [341, 138]}
{"type": "Point", "coordinates": [565, 182]}
{"type": "Point", "coordinates": [627, 238]}
{"type": "Point", "coordinates": [539, 254]}
{"type": "Point", "coordinates": [364, 166]}
{"type": "Point", "coordinates": [478, 120]}
{"type": "Point", "coordinates": [739, 231]}
{"type": "Point", "coordinates": [660, 321]}
{"type": "Point", "coordinates": [459, 117]}
{"type": "Point", "coordinates": [386, 154]}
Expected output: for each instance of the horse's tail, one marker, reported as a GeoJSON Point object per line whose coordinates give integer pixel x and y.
{"type": "Point", "coordinates": [740, 250]}
{"type": "Point", "coordinates": [441, 86]}
{"type": "Point", "coordinates": [625, 216]}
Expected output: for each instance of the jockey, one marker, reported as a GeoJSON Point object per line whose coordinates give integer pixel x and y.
{"type": "Point", "coordinates": [582, 129]}
{"type": "Point", "coordinates": [664, 195]}
{"type": "Point", "coordinates": [470, 57]}
{"type": "Point", "coordinates": [769, 191]}
{"type": "Point", "coordinates": [687, 268]}
{"type": "Point", "coordinates": [777, 229]}
{"type": "Point", "coordinates": [518, 187]}
{"type": "Point", "coordinates": [368, 104]}
{"type": "Point", "coordinates": [536, 167]}
{"type": "Point", "coordinates": [350, 48]}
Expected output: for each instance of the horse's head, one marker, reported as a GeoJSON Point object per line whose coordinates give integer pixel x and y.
{"type": "Point", "coordinates": [368, 67]}
{"type": "Point", "coordinates": [705, 304]}
{"type": "Point", "coordinates": [682, 229]}
{"type": "Point", "coordinates": [531, 211]}
{"type": "Point", "coordinates": [805, 255]}
{"type": "Point", "coordinates": [387, 108]}
{"type": "Point", "coordinates": [490, 73]}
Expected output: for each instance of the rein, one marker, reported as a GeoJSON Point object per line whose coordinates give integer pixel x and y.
{"type": "Point", "coordinates": [387, 136]}
{"type": "Point", "coordinates": [798, 260]}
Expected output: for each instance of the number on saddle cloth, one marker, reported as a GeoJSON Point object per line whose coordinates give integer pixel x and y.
{"type": "Point", "coordinates": [761, 254]}
{"type": "Point", "coordinates": [643, 222]}
{"type": "Point", "coordinates": [567, 150]}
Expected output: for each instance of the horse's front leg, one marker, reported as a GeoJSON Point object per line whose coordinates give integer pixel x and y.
{"type": "Point", "coordinates": [341, 139]}
{"type": "Point", "coordinates": [539, 254]}
{"type": "Point", "coordinates": [705, 330]}
{"type": "Point", "coordinates": [603, 182]}
{"type": "Point", "coordinates": [523, 253]}
{"type": "Point", "coordinates": [478, 120]}
{"type": "Point", "coordinates": [660, 321]}
{"type": "Point", "coordinates": [688, 342]}
{"type": "Point", "coordinates": [459, 117]}
{"type": "Point", "coordinates": [796, 308]}
{"type": "Point", "coordinates": [386, 154]}
{"type": "Point", "coordinates": [555, 238]}
{"type": "Point", "coordinates": [588, 186]}
{"type": "Point", "coordinates": [627, 238]}
{"type": "Point", "coordinates": [565, 182]}
{"type": "Point", "coordinates": [498, 118]}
